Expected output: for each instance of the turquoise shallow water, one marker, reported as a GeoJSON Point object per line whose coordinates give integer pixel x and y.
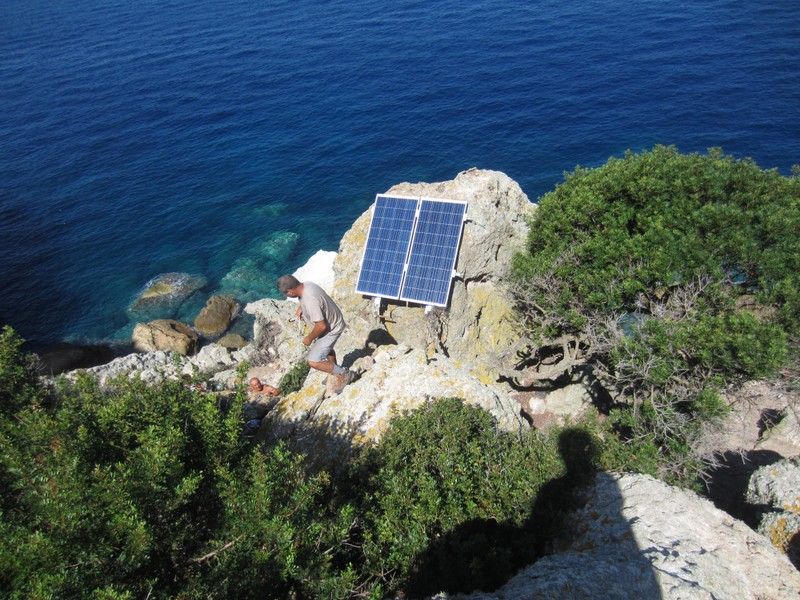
{"type": "Point", "coordinates": [233, 140]}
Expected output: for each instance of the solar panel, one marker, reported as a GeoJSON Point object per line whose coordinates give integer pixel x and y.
{"type": "Point", "coordinates": [386, 250]}
{"type": "Point", "coordinates": [433, 252]}
{"type": "Point", "coordinates": [411, 249]}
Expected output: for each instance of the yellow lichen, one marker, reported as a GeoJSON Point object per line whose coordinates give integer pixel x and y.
{"type": "Point", "coordinates": [780, 534]}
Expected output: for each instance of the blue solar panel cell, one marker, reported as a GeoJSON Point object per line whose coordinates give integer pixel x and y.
{"type": "Point", "coordinates": [386, 250]}
{"type": "Point", "coordinates": [433, 252]}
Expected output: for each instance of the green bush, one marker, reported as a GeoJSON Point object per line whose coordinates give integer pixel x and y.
{"type": "Point", "coordinates": [139, 491]}
{"type": "Point", "coordinates": [657, 218]}
{"type": "Point", "coordinates": [697, 255]}
{"type": "Point", "coordinates": [448, 499]}
{"type": "Point", "coordinates": [133, 491]}
{"type": "Point", "coordinates": [294, 378]}
{"type": "Point", "coordinates": [18, 380]}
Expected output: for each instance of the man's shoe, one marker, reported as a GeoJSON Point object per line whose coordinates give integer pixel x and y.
{"type": "Point", "coordinates": [343, 379]}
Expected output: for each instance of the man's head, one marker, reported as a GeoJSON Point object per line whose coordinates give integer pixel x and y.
{"type": "Point", "coordinates": [288, 285]}
{"type": "Point", "coordinates": [255, 383]}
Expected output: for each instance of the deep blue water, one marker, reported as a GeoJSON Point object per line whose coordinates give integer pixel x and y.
{"type": "Point", "coordinates": [234, 139]}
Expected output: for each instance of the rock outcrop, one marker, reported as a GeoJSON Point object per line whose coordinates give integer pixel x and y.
{"type": "Point", "coordinates": [392, 380]}
{"type": "Point", "coordinates": [637, 537]}
{"type": "Point", "coordinates": [445, 353]}
{"type": "Point", "coordinates": [478, 323]}
{"type": "Point", "coordinates": [150, 367]}
{"type": "Point", "coordinates": [216, 316]}
{"type": "Point", "coordinates": [164, 334]}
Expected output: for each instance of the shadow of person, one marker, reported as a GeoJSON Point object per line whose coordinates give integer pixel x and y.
{"type": "Point", "coordinates": [484, 553]}
{"type": "Point", "coordinates": [560, 496]}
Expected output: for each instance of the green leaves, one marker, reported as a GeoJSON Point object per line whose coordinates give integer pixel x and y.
{"type": "Point", "coordinates": [703, 250]}
{"type": "Point", "coordinates": [448, 499]}
{"type": "Point", "coordinates": [661, 217]}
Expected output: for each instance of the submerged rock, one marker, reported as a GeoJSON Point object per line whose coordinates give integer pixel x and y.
{"type": "Point", "coordinates": [163, 295]}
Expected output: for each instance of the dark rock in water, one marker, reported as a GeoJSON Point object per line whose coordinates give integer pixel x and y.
{"type": "Point", "coordinates": [65, 356]}
{"type": "Point", "coordinates": [216, 316]}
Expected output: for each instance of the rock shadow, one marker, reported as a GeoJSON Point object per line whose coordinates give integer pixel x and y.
{"type": "Point", "coordinates": [375, 339]}
{"type": "Point", "coordinates": [726, 483]}
{"type": "Point", "coordinates": [66, 356]}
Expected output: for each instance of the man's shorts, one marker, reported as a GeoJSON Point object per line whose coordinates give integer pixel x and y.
{"type": "Point", "coordinates": [320, 348]}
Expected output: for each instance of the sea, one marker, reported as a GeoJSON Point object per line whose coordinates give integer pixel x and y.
{"type": "Point", "coordinates": [230, 141]}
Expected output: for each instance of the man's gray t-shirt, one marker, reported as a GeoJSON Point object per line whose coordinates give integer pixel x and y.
{"type": "Point", "coordinates": [318, 306]}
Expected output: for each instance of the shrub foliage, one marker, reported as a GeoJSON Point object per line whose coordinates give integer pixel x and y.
{"type": "Point", "coordinates": [136, 491]}
{"type": "Point", "coordinates": [670, 275]}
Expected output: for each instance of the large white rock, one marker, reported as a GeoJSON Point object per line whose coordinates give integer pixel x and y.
{"type": "Point", "coordinates": [319, 269]}
{"type": "Point", "coordinates": [151, 367]}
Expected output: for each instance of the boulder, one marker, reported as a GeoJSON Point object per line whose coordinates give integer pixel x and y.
{"type": "Point", "coordinates": [164, 334]}
{"type": "Point", "coordinates": [216, 316]}
{"type": "Point", "coordinates": [232, 341]}
{"type": "Point", "coordinates": [637, 537]}
{"type": "Point", "coordinates": [209, 360]}
{"type": "Point", "coordinates": [277, 333]}
{"type": "Point", "coordinates": [478, 324]}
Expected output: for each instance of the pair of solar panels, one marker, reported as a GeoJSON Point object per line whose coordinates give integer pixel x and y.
{"type": "Point", "coordinates": [411, 249]}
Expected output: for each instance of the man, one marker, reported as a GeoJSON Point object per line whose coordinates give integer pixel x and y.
{"type": "Point", "coordinates": [320, 313]}
{"type": "Point", "coordinates": [262, 388]}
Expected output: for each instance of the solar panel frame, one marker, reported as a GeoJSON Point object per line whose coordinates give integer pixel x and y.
{"type": "Point", "coordinates": [434, 251]}
{"type": "Point", "coordinates": [385, 255]}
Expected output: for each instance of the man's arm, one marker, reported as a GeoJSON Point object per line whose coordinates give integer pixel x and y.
{"type": "Point", "coordinates": [319, 328]}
